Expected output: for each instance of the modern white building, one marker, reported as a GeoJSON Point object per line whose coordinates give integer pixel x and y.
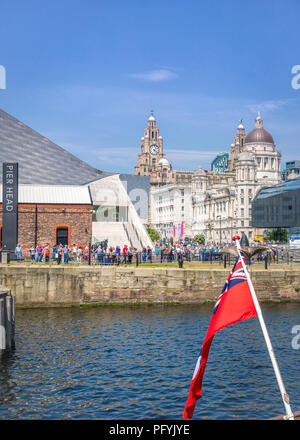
{"type": "Point", "coordinates": [114, 216]}
{"type": "Point", "coordinates": [171, 210]}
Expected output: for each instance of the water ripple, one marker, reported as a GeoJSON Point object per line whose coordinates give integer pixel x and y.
{"type": "Point", "coordinates": [137, 363]}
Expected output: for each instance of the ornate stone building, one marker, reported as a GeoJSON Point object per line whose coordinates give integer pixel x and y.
{"type": "Point", "coordinates": [222, 201]}
{"type": "Point", "coordinates": [153, 162]}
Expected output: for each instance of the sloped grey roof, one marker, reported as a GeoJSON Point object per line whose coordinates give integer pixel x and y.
{"type": "Point", "coordinates": [54, 194]}
{"type": "Point", "coordinates": [41, 160]}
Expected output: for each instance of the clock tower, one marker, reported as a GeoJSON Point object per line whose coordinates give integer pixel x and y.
{"type": "Point", "coordinates": [151, 150]}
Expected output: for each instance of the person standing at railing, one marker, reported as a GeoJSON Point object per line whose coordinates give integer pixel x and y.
{"type": "Point", "coordinates": [66, 254]}
{"type": "Point", "coordinates": [54, 251]}
{"type": "Point", "coordinates": [144, 254]}
{"type": "Point", "coordinates": [180, 258]}
{"type": "Point", "coordinates": [99, 253]}
{"type": "Point", "coordinates": [162, 252]}
{"type": "Point", "coordinates": [39, 254]}
{"type": "Point", "coordinates": [47, 253]}
{"type": "Point", "coordinates": [149, 254]}
{"type": "Point", "coordinates": [129, 255]}
{"type": "Point", "coordinates": [79, 255]}
{"type": "Point", "coordinates": [86, 253]}
{"type": "Point", "coordinates": [118, 252]}
{"type": "Point", "coordinates": [157, 250]}
{"type": "Point", "coordinates": [18, 251]}
{"type": "Point", "coordinates": [125, 254]}
{"type": "Point", "coordinates": [32, 254]}
{"type": "Point", "coordinates": [74, 252]}
{"type": "Point", "coordinates": [58, 254]}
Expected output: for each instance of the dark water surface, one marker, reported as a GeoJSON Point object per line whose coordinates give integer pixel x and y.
{"type": "Point", "coordinates": [119, 362]}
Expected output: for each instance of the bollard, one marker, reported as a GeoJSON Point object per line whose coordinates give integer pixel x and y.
{"type": "Point", "coordinates": [224, 258]}
{"type": "Point", "coordinates": [137, 259]}
{"type": "Point", "coordinates": [7, 320]}
{"type": "Point", "coordinates": [9, 315]}
{"type": "Point", "coordinates": [266, 262]}
{"type": "Point", "coordinates": [2, 323]}
{"type": "Point", "coordinates": [13, 320]}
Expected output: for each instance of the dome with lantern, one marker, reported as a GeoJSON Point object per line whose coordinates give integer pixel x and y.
{"type": "Point", "coordinates": [259, 134]}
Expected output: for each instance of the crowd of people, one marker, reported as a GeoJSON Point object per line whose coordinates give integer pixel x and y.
{"type": "Point", "coordinates": [103, 254]}
{"type": "Point", "coordinates": [163, 252]}
{"type": "Point", "coordinates": [57, 253]}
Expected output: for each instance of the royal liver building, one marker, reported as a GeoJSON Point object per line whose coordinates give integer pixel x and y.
{"type": "Point", "coordinates": [221, 202]}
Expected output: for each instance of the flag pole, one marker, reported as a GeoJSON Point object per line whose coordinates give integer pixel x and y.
{"type": "Point", "coordinates": [284, 395]}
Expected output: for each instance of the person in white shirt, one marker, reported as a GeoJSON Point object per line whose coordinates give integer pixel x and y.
{"type": "Point", "coordinates": [79, 255]}
{"type": "Point", "coordinates": [18, 251]}
{"type": "Point", "coordinates": [74, 252]}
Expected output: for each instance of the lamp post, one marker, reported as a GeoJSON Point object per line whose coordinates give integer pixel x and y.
{"type": "Point", "coordinates": [230, 218]}
{"type": "Point", "coordinates": [218, 216]}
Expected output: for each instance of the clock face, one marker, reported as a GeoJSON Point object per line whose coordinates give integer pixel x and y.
{"type": "Point", "coordinates": [154, 149]}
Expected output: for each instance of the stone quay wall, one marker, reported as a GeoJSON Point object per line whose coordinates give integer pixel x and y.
{"type": "Point", "coordinates": [67, 285]}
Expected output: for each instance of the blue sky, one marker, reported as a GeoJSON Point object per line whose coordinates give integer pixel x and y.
{"type": "Point", "coordinates": [87, 73]}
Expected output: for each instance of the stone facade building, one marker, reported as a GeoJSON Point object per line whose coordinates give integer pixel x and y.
{"type": "Point", "coordinates": [152, 160]}
{"type": "Point", "coordinates": [217, 202]}
{"type": "Point", "coordinates": [222, 201]}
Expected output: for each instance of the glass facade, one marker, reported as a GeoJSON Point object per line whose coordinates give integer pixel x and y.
{"type": "Point", "coordinates": [110, 213]}
{"type": "Point", "coordinates": [277, 206]}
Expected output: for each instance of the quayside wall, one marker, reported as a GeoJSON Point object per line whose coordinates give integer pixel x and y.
{"type": "Point", "coordinates": [76, 285]}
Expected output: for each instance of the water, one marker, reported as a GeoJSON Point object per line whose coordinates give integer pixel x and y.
{"type": "Point", "coordinates": [137, 363]}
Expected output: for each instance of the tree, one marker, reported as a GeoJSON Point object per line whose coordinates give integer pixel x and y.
{"type": "Point", "coordinates": [154, 234]}
{"type": "Point", "coordinates": [200, 238]}
{"type": "Point", "coordinates": [280, 235]}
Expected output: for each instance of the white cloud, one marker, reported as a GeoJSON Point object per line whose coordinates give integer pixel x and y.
{"type": "Point", "coordinates": [117, 159]}
{"type": "Point", "coordinates": [191, 155]}
{"type": "Point", "coordinates": [154, 75]}
{"type": "Point", "coordinates": [266, 106]}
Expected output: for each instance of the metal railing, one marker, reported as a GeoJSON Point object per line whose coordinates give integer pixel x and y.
{"type": "Point", "coordinates": [288, 257]}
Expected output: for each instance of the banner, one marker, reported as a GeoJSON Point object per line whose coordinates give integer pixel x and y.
{"type": "Point", "coordinates": [181, 229]}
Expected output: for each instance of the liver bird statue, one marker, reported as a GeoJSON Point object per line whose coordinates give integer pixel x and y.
{"type": "Point", "coordinates": [248, 251]}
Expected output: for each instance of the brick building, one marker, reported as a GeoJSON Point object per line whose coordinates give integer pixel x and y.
{"type": "Point", "coordinates": [49, 214]}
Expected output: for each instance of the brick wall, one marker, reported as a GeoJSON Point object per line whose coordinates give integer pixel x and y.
{"type": "Point", "coordinates": [77, 218]}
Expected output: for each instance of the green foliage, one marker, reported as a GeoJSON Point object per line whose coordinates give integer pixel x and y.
{"type": "Point", "coordinates": [279, 235]}
{"type": "Point", "coordinates": [154, 234]}
{"type": "Point", "coordinates": [200, 238]}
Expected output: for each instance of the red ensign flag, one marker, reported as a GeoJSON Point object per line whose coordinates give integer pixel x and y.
{"type": "Point", "coordinates": [234, 304]}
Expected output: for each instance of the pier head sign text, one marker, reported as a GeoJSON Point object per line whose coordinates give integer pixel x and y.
{"type": "Point", "coordinates": [10, 206]}
{"type": "Point", "coordinates": [10, 177]}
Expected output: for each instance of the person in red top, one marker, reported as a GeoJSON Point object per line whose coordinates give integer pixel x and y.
{"type": "Point", "coordinates": [125, 254]}
{"type": "Point", "coordinates": [47, 254]}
